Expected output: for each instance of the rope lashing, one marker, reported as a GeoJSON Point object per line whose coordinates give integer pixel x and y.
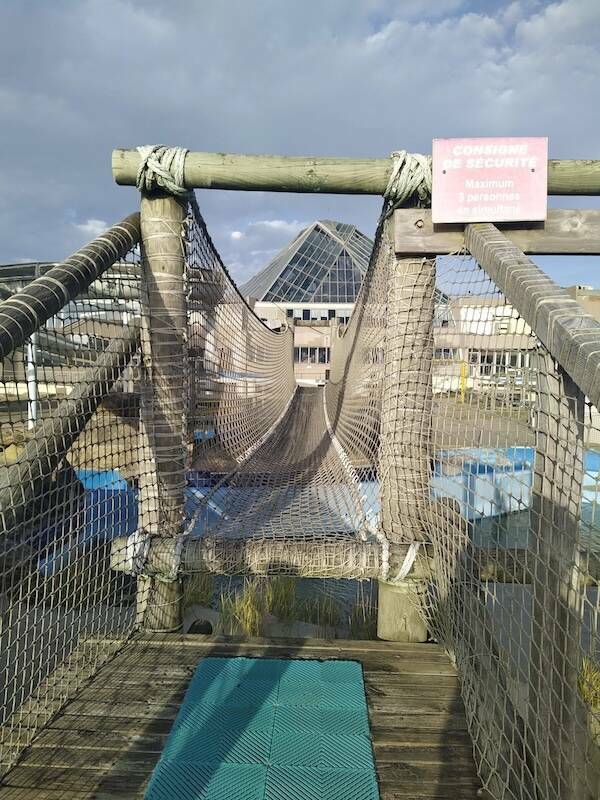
{"type": "Point", "coordinates": [410, 178]}
{"type": "Point", "coordinates": [161, 167]}
{"type": "Point", "coordinates": [409, 560]}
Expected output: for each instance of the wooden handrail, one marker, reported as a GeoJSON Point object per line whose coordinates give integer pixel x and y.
{"type": "Point", "coordinates": [324, 175]}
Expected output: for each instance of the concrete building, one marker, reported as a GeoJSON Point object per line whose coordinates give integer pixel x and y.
{"type": "Point", "coordinates": [480, 342]}
{"type": "Point", "coordinates": [588, 297]}
{"type": "Point", "coordinates": [312, 284]}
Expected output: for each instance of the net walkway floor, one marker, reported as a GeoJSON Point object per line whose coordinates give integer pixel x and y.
{"type": "Point", "coordinates": [106, 742]}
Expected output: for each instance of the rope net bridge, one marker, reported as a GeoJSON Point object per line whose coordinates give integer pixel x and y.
{"type": "Point", "coordinates": [152, 429]}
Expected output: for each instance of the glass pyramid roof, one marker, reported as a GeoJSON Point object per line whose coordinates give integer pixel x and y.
{"type": "Point", "coordinates": [325, 263]}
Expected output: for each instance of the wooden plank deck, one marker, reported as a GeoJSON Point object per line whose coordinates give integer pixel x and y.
{"type": "Point", "coordinates": [106, 741]}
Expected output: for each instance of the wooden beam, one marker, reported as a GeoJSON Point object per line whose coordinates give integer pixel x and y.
{"type": "Point", "coordinates": [163, 397]}
{"type": "Point", "coordinates": [329, 557]}
{"type": "Point", "coordinates": [556, 708]}
{"type": "Point", "coordinates": [569, 333]}
{"type": "Point", "coordinates": [406, 401]}
{"type": "Point", "coordinates": [341, 558]}
{"type": "Point", "coordinates": [28, 309]}
{"type": "Point", "coordinates": [565, 232]}
{"type": "Point", "coordinates": [324, 175]}
{"type": "Point", "coordinates": [54, 436]}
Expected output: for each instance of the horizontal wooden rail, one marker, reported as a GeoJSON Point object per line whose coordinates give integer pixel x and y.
{"type": "Point", "coordinates": [326, 558]}
{"type": "Point", "coordinates": [565, 232]}
{"type": "Point", "coordinates": [28, 309]}
{"type": "Point", "coordinates": [324, 175]}
{"type": "Point", "coordinates": [570, 334]}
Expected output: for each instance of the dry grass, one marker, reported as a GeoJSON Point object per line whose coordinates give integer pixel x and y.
{"type": "Point", "coordinates": [589, 684]}
{"type": "Point", "coordinates": [322, 611]}
{"type": "Point", "coordinates": [198, 589]}
{"type": "Point", "coordinates": [243, 612]}
{"type": "Point", "coordinates": [362, 622]}
{"type": "Point", "coordinates": [280, 598]}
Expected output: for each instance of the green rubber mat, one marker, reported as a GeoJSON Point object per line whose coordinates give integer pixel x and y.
{"type": "Point", "coordinates": [269, 729]}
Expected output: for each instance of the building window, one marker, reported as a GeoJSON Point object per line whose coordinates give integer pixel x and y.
{"type": "Point", "coordinates": [331, 313]}
{"type": "Point", "coordinates": [306, 314]}
{"type": "Point", "coordinates": [443, 353]}
{"type": "Point", "coordinates": [486, 363]}
{"type": "Point", "coordinates": [327, 371]}
{"type": "Point", "coordinates": [323, 355]}
{"type": "Point", "coordinates": [296, 355]}
{"type": "Point", "coordinates": [289, 312]}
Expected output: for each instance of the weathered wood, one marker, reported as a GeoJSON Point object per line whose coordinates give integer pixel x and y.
{"type": "Point", "coordinates": [163, 396]}
{"type": "Point", "coordinates": [106, 742]}
{"type": "Point", "coordinates": [569, 333]}
{"type": "Point", "coordinates": [406, 403]}
{"type": "Point", "coordinates": [565, 232]}
{"type": "Point", "coordinates": [344, 559]}
{"type": "Point", "coordinates": [341, 557]}
{"type": "Point", "coordinates": [26, 311]}
{"type": "Point", "coordinates": [151, 643]}
{"type": "Point", "coordinates": [323, 175]}
{"type": "Point", "coordinates": [54, 436]}
{"type": "Point", "coordinates": [497, 724]}
{"type": "Point", "coordinates": [405, 431]}
{"type": "Point", "coordinates": [556, 710]}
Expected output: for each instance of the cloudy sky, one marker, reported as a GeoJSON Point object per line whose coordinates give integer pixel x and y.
{"type": "Point", "coordinates": [317, 77]}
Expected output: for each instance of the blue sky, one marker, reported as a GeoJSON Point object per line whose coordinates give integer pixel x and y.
{"type": "Point", "coordinates": [334, 77]}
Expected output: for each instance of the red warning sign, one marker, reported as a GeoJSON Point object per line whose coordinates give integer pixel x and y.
{"type": "Point", "coordinates": [490, 180]}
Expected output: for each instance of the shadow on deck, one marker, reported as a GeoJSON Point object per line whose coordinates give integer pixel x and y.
{"type": "Point", "coordinates": [106, 741]}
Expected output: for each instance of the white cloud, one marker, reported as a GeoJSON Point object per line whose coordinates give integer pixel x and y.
{"type": "Point", "coordinates": [278, 225]}
{"type": "Point", "coordinates": [92, 227]}
{"type": "Point", "coordinates": [262, 77]}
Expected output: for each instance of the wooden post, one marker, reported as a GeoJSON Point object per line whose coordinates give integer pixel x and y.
{"type": "Point", "coordinates": [405, 431]}
{"type": "Point", "coordinates": [163, 397]}
{"type": "Point", "coordinates": [557, 715]}
{"type": "Point", "coordinates": [323, 175]}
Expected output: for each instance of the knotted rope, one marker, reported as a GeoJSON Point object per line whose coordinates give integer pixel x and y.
{"type": "Point", "coordinates": [161, 167]}
{"type": "Point", "coordinates": [410, 177]}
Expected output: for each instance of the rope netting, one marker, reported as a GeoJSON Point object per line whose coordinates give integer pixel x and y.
{"type": "Point", "coordinates": [513, 521]}
{"type": "Point", "coordinates": [241, 377]}
{"type": "Point", "coordinates": [482, 448]}
{"type": "Point", "coordinates": [265, 468]}
{"type": "Point", "coordinates": [69, 469]}
{"type": "Point", "coordinates": [155, 405]}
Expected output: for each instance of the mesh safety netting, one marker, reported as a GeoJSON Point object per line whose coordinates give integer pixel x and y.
{"type": "Point", "coordinates": [70, 464]}
{"type": "Point", "coordinates": [445, 422]}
